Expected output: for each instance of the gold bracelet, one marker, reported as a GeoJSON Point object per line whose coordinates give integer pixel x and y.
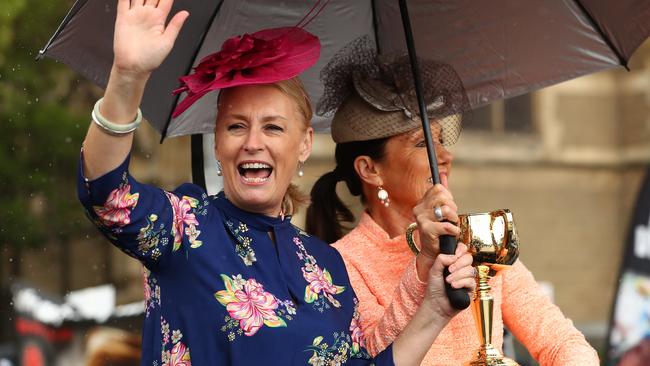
{"type": "Point", "coordinates": [409, 238]}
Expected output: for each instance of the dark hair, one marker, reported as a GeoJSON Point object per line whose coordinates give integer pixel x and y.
{"type": "Point", "coordinates": [326, 211]}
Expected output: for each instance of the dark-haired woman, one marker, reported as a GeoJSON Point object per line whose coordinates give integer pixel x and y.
{"type": "Point", "coordinates": [381, 157]}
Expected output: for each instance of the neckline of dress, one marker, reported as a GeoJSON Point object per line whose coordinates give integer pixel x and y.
{"type": "Point", "coordinates": [257, 220]}
{"type": "Point", "coordinates": [376, 233]}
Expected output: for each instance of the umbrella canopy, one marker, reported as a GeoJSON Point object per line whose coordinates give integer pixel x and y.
{"type": "Point", "coordinates": [500, 48]}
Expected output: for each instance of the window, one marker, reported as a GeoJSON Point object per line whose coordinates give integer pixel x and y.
{"type": "Point", "coordinates": [513, 115]}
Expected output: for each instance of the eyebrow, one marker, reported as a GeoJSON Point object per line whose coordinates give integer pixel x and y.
{"type": "Point", "coordinates": [417, 135]}
{"type": "Point", "coordinates": [264, 119]}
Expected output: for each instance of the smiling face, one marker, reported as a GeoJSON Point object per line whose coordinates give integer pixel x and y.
{"type": "Point", "coordinates": [260, 136]}
{"type": "Point", "coordinates": [405, 168]}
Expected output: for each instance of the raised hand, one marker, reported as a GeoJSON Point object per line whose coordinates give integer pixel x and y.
{"type": "Point", "coordinates": [141, 40]}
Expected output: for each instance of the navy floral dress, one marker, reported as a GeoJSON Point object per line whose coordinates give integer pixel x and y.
{"type": "Point", "coordinates": [218, 289]}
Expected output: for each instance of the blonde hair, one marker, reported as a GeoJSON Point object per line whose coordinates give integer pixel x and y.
{"type": "Point", "coordinates": [294, 198]}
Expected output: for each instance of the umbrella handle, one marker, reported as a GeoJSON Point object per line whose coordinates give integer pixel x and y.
{"type": "Point", "coordinates": [458, 297]}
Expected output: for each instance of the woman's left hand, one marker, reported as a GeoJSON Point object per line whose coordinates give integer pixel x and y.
{"type": "Point", "coordinates": [462, 275]}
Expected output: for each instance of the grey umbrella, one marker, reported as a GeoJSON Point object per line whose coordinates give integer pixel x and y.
{"type": "Point", "coordinates": [500, 48]}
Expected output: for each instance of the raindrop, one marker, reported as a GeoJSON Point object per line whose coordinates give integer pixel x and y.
{"type": "Point", "coordinates": [36, 100]}
{"type": "Point", "coordinates": [11, 260]}
{"type": "Point", "coordinates": [148, 156]}
{"type": "Point", "coordinates": [68, 139]}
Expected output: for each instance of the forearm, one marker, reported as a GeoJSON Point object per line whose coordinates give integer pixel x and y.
{"type": "Point", "coordinates": [548, 335]}
{"type": "Point", "coordinates": [416, 339]}
{"type": "Point", "coordinates": [104, 152]}
{"type": "Point", "coordinates": [382, 325]}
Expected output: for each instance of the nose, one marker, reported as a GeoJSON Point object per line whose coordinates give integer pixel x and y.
{"type": "Point", "coordinates": [253, 142]}
{"type": "Point", "coordinates": [445, 157]}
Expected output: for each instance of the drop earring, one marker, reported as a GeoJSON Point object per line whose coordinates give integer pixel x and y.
{"type": "Point", "coordinates": [219, 170]}
{"type": "Point", "coordinates": [382, 194]}
{"type": "Point", "coordinates": [300, 172]}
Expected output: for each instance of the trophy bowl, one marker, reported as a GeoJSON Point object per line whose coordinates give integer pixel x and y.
{"type": "Point", "coordinates": [491, 237]}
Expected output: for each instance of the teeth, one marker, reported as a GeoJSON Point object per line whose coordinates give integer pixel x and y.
{"type": "Point", "coordinates": [255, 166]}
{"type": "Point", "coordinates": [255, 180]}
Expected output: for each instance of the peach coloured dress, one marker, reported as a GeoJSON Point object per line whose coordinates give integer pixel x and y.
{"type": "Point", "coordinates": [382, 273]}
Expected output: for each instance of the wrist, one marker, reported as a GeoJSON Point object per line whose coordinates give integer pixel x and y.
{"type": "Point", "coordinates": [127, 76]}
{"type": "Point", "coordinates": [436, 315]}
{"type": "Point", "coordinates": [423, 264]}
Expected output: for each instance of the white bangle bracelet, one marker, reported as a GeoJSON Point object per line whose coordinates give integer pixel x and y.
{"type": "Point", "coordinates": [112, 128]}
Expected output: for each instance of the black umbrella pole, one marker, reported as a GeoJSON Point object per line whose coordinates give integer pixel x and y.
{"type": "Point", "coordinates": [458, 298]}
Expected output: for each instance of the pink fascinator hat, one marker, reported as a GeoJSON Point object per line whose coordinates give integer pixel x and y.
{"type": "Point", "coordinates": [264, 57]}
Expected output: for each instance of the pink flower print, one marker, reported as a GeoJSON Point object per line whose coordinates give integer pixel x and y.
{"type": "Point", "coordinates": [182, 216]}
{"type": "Point", "coordinates": [320, 282]}
{"type": "Point", "coordinates": [180, 356]}
{"type": "Point", "coordinates": [118, 206]}
{"type": "Point", "coordinates": [357, 335]}
{"type": "Point", "coordinates": [251, 305]}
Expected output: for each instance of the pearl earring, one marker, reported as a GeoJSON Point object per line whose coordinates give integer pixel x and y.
{"type": "Point", "coordinates": [382, 194]}
{"type": "Point", "coordinates": [219, 170]}
{"type": "Point", "coordinates": [300, 172]}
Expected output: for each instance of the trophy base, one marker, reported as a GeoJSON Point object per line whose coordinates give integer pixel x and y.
{"type": "Point", "coordinates": [503, 361]}
{"type": "Point", "coordinates": [489, 356]}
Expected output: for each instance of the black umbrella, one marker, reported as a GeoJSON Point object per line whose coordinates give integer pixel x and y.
{"type": "Point", "coordinates": [500, 48]}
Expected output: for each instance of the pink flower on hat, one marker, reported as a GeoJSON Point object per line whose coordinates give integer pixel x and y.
{"type": "Point", "coordinates": [266, 56]}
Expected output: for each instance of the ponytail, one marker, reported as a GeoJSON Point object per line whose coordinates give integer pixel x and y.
{"type": "Point", "coordinates": [327, 212]}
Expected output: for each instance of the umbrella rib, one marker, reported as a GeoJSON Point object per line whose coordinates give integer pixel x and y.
{"type": "Point", "coordinates": [621, 59]}
{"type": "Point", "coordinates": [375, 26]}
{"type": "Point", "coordinates": [71, 13]}
{"type": "Point", "coordinates": [196, 53]}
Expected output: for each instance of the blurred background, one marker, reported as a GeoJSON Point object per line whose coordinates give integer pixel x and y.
{"type": "Point", "coordinates": [568, 161]}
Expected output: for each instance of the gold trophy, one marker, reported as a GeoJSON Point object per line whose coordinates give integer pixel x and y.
{"type": "Point", "coordinates": [492, 239]}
